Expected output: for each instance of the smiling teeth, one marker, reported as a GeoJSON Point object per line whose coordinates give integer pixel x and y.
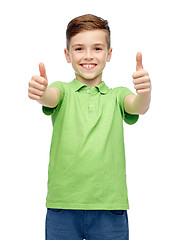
{"type": "Point", "coordinates": [88, 66]}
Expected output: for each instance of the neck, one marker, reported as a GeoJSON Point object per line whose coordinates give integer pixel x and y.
{"type": "Point", "coordinates": [90, 82]}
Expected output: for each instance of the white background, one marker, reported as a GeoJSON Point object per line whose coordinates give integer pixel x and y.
{"type": "Point", "coordinates": [34, 31]}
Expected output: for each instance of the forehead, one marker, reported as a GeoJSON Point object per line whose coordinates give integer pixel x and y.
{"type": "Point", "coordinates": [89, 37]}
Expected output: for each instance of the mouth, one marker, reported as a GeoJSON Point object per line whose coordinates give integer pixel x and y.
{"type": "Point", "coordinates": [88, 66]}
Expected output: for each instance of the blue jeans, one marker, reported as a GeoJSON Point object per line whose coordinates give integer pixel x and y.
{"type": "Point", "coordinates": [67, 224]}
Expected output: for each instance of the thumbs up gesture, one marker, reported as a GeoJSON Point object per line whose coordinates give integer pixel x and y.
{"type": "Point", "coordinates": [38, 84]}
{"type": "Point", "coordinates": [141, 78]}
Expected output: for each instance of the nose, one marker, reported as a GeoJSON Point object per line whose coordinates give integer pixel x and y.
{"type": "Point", "coordinates": [88, 55]}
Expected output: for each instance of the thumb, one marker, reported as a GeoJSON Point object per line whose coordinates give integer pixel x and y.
{"type": "Point", "coordinates": [42, 70]}
{"type": "Point", "coordinates": [139, 64]}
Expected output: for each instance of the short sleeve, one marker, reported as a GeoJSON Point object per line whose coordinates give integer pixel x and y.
{"type": "Point", "coordinates": [48, 110]}
{"type": "Point", "coordinates": [127, 117]}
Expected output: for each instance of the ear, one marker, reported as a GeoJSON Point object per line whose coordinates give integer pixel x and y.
{"type": "Point", "coordinates": [66, 52]}
{"type": "Point", "coordinates": [109, 55]}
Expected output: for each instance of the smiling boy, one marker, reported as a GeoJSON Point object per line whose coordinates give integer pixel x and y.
{"type": "Point", "coordinates": [88, 52]}
{"type": "Point", "coordinates": [87, 191]}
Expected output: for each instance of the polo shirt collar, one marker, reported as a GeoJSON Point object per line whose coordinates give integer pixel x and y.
{"type": "Point", "coordinates": [102, 87]}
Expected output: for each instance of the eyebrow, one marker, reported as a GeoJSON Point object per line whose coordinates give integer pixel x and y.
{"type": "Point", "coordinates": [80, 44]}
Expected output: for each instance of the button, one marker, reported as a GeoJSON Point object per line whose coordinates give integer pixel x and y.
{"type": "Point", "coordinates": [88, 91]}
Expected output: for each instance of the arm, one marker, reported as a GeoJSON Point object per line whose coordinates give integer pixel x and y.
{"type": "Point", "coordinates": [50, 97]}
{"type": "Point", "coordinates": [138, 104]}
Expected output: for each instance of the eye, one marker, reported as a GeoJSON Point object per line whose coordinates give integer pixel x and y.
{"type": "Point", "coordinates": [79, 49]}
{"type": "Point", "coordinates": [98, 49]}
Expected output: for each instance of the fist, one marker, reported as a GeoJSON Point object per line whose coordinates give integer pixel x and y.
{"type": "Point", "coordinates": [141, 78]}
{"type": "Point", "coordinates": [38, 84]}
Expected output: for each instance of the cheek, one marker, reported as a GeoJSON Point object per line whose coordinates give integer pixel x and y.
{"type": "Point", "coordinates": [75, 56]}
{"type": "Point", "coordinates": [71, 57]}
{"type": "Point", "coordinates": [103, 58]}
{"type": "Point", "coordinates": [75, 60]}
{"type": "Point", "coordinates": [106, 57]}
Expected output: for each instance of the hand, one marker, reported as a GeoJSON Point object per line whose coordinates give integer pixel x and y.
{"type": "Point", "coordinates": [38, 84]}
{"type": "Point", "coordinates": [141, 78]}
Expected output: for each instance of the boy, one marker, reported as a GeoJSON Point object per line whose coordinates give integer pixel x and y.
{"type": "Point", "coordinates": [87, 192]}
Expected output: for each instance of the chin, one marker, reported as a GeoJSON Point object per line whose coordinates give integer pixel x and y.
{"type": "Point", "coordinates": [89, 77]}
{"type": "Point", "coordinates": [86, 77]}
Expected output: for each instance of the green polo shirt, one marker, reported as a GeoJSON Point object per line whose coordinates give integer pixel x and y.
{"type": "Point", "coordinates": [87, 168]}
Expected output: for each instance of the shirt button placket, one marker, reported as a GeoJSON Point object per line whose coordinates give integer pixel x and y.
{"type": "Point", "coordinates": [90, 102]}
{"type": "Point", "coordinates": [91, 106]}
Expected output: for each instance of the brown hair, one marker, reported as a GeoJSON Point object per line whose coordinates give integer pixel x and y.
{"type": "Point", "coordinates": [86, 22]}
